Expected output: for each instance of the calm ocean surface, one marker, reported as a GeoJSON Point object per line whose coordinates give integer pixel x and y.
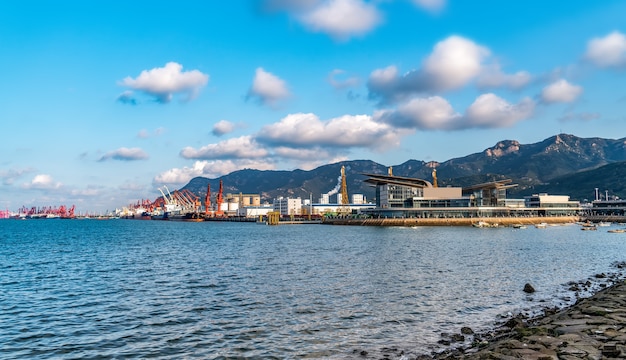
{"type": "Point", "coordinates": [150, 289]}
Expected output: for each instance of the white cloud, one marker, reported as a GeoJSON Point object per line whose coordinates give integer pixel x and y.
{"type": "Point", "coordinates": [243, 147]}
{"type": "Point", "coordinates": [210, 169]}
{"type": "Point", "coordinates": [424, 113]}
{"type": "Point", "coordinates": [268, 88]}
{"type": "Point", "coordinates": [436, 113]}
{"type": "Point", "coordinates": [164, 82]}
{"type": "Point", "coordinates": [342, 18]}
{"type": "Point", "coordinates": [491, 111]}
{"type": "Point", "coordinates": [431, 5]}
{"type": "Point", "coordinates": [42, 182]}
{"type": "Point", "coordinates": [453, 63]}
{"type": "Point", "coordinates": [608, 51]}
{"type": "Point", "coordinates": [561, 91]}
{"type": "Point", "coordinates": [222, 127]}
{"type": "Point", "coordinates": [125, 154]}
{"type": "Point", "coordinates": [307, 130]}
{"type": "Point", "coordinates": [341, 83]}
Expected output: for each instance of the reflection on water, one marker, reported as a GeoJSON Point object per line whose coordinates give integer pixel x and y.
{"type": "Point", "coordinates": [121, 288]}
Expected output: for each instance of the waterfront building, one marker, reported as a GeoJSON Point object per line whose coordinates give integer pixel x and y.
{"type": "Point", "coordinates": [358, 199]}
{"type": "Point", "coordinates": [333, 209]}
{"type": "Point", "coordinates": [550, 205]}
{"type": "Point", "coordinates": [403, 197]}
{"type": "Point", "coordinates": [288, 206]}
{"type": "Point", "coordinates": [613, 207]}
{"type": "Point", "coordinates": [254, 211]}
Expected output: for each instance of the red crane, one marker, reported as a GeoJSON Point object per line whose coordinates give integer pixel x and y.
{"type": "Point", "coordinates": [207, 200]}
{"type": "Point", "coordinates": [218, 199]}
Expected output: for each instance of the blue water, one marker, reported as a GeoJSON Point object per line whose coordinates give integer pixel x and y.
{"type": "Point", "coordinates": [149, 289]}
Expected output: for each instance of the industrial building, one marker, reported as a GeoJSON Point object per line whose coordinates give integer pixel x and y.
{"type": "Point", "coordinates": [403, 197]}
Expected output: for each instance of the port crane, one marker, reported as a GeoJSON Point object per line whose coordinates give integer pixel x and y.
{"type": "Point", "coordinates": [183, 201]}
{"type": "Point", "coordinates": [219, 199]}
{"type": "Point", "coordinates": [344, 207]}
{"type": "Point", "coordinates": [207, 200]}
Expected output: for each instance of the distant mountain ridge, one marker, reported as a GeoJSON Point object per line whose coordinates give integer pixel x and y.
{"type": "Point", "coordinates": [545, 166]}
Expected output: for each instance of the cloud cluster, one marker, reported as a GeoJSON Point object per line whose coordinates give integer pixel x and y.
{"type": "Point", "coordinates": [435, 113]}
{"type": "Point", "coordinates": [209, 168]}
{"type": "Point", "coordinates": [608, 51]}
{"type": "Point", "coordinates": [268, 88]}
{"type": "Point", "coordinates": [241, 147]}
{"type": "Point", "coordinates": [125, 154]}
{"type": "Point", "coordinates": [560, 91]}
{"type": "Point", "coordinates": [348, 131]}
{"type": "Point", "coordinates": [411, 101]}
{"type": "Point", "coordinates": [453, 63]}
{"type": "Point", "coordinates": [341, 19]}
{"type": "Point", "coordinates": [163, 83]}
{"type": "Point", "coordinates": [302, 138]}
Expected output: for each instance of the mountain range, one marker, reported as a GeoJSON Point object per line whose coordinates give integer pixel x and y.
{"type": "Point", "coordinates": [561, 165]}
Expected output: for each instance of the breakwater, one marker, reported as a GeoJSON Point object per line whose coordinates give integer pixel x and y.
{"type": "Point", "coordinates": [487, 221]}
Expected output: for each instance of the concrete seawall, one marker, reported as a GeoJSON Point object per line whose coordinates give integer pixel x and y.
{"type": "Point", "coordinates": [489, 221]}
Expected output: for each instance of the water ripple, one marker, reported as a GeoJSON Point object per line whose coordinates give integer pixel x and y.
{"type": "Point", "coordinates": [143, 289]}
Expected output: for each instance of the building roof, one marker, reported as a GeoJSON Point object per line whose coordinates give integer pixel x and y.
{"type": "Point", "coordinates": [500, 184]}
{"type": "Point", "coordinates": [378, 179]}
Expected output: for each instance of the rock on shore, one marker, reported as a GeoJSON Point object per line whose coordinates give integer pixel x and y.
{"type": "Point", "coordinates": [594, 328]}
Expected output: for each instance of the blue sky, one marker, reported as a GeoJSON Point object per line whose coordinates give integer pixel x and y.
{"type": "Point", "coordinates": [104, 102]}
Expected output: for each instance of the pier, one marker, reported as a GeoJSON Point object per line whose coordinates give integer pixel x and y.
{"type": "Point", "coordinates": [492, 221]}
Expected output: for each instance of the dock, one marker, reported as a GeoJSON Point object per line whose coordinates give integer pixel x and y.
{"type": "Point", "coordinates": [493, 221]}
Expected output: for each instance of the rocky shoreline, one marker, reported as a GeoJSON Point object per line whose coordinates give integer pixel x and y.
{"type": "Point", "coordinates": [592, 328]}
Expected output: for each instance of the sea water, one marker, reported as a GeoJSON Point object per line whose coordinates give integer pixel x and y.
{"type": "Point", "coordinates": [156, 289]}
